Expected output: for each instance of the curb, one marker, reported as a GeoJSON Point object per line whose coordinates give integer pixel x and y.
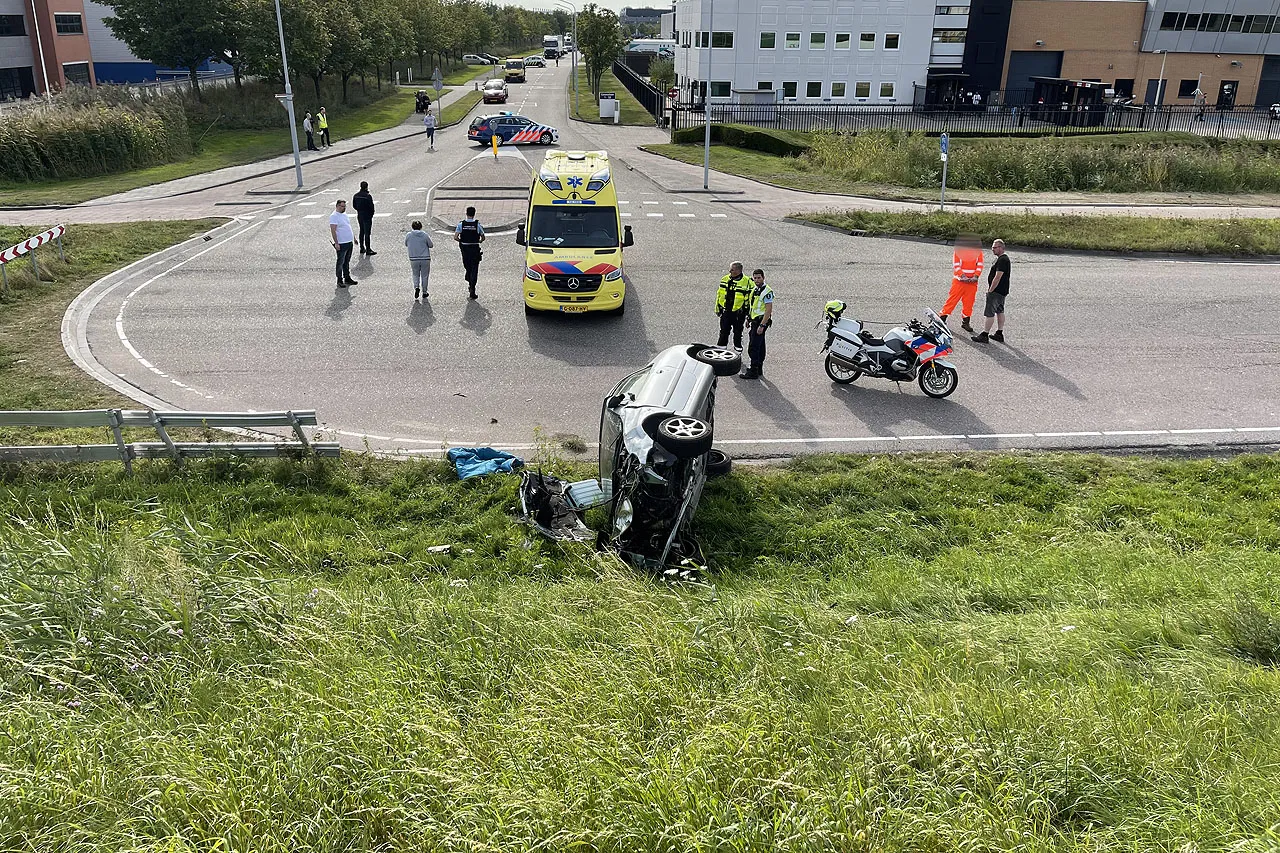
{"type": "Point", "coordinates": [232, 182]}
{"type": "Point", "coordinates": [1044, 250]}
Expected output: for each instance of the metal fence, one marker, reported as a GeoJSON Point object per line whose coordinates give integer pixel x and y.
{"type": "Point", "coordinates": [650, 98]}
{"type": "Point", "coordinates": [1032, 120]}
{"type": "Point", "coordinates": [116, 420]}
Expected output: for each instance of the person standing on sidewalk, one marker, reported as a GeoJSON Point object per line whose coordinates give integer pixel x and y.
{"type": "Point", "coordinates": [966, 269]}
{"type": "Point", "coordinates": [761, 310]}
{"type": "Point", "coordinates": [731, 305]}
{"type": "Point", "coordinates": [430, 124]}
{"type": "Point", "coordinates": [322, 118]}
{"type": "Point", "coordinates": [469, 235]}
{"type": "Point", "coordinates": [343, 240]}
{"type": "Point", "coordinates": [311, 138]}
{"type": "Point", "coordinates": [997, 290]}
{"type": "Point", "coordinates": [420, 245]}
{"type": "Point", "coordinates": [363, 203]}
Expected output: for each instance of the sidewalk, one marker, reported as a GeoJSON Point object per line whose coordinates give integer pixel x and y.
{"type": "Point", "coordinates": [233, 189]}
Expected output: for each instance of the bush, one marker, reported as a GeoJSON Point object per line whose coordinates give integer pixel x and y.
{"type": "Point", "coordinates": [753, 138]}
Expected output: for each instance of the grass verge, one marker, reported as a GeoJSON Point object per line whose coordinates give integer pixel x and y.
{"type": "Point", "coordinates": [1226, 237]}
{"type": "Point", "coordinates": [458, 110]}
{"type": "Point", "coordinates": [1067, 653]}
{"type": "Point", "coordinates": [757, 165]}
{"type": "Point", "coordinates": [632, 111]}
{"type": "Point", "coordinates": [35, 372]}
{"type": "Point", "coordinates": [218, 149]}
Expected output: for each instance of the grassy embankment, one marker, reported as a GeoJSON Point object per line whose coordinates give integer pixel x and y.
{"type": "Point", "coordinates": [458, 110]}
{"type": "Point", "coordinates": [216, 148]}
{"type": "Point", "coordinates": [632, 111]}
{"type": "Point", "coordinates": [1040, 652]}
{"type": "Point", "coordinates": [895, 166]}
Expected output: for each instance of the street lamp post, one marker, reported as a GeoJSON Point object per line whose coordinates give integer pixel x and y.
{"type": "Point", "coordinates": [44, 70]}
{"type": "Point", "coordinates": [706, 99]}
{"type": "Point", "coordinates": [1164, 55]}
{"type": "Point", "coordinates": [577, 103]}
{"type": "Point", "coordinates": [288, 99]}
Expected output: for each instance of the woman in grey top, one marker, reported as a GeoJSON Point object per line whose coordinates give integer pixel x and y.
{"type": "Point", "coordinates": [420, 246]}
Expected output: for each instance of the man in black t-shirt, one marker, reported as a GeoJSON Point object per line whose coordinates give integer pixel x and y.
{"type": "Point", "coordinates": [997, 290]}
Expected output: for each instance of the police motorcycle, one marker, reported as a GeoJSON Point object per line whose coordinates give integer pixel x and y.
{"type": "Point", "coordinates": [915, 352]}
{"type": "Point", "coordinates": [422, 102]}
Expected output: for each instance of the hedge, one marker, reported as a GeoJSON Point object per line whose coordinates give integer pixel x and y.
{"type": "Point", "coordinates": [742, 136]}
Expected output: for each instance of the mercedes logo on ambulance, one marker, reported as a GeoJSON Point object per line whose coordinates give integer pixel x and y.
{"type": "Point", "coordinates": [574, 283]}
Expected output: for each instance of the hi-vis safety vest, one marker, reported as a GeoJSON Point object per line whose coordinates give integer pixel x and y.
{"type": "Point", "coordinates": [324, 121]}
{"type": "Point", "coordinates": [967, 265]}
{"type": "Point", "coordinates": [759, 298]}
{"type": "Point", "coordinates": [740, 290]}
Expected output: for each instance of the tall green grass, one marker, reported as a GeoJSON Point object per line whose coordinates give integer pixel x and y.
{"type": "Point", "coordinates": [1049, 164]}
{"type": "Point", "coordinates": [1044, 653]}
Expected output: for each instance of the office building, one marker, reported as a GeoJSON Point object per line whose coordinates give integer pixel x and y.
{"type": "Point", "coordinates": [43, 44]}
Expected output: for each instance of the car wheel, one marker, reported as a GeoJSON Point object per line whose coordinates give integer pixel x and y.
{"type": "Point", "coordinates": [683, 436]}
{"type": "Point", "coordinates": [719, 463]}
{"type": "Point", "coordinates": [529, 312]}
{"type": "Point", "coordinates": [725, 362]}
{"type": "Point", "coordinates": [619, 311]}
{"type": "Point", "coordinates": [545, 139]}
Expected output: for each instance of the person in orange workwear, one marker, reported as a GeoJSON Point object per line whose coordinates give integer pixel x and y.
{"type": "Point", "coordinates": [966, 266]}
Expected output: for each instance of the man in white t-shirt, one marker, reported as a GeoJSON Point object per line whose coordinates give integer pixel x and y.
{"type": "Point", "coordinates": [343, 241]}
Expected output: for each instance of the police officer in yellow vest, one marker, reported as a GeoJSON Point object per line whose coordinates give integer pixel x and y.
{"type": "Point", "coordinates": [322, 118]}
{"type": "Point", "coordinates": [731, 305]}
{"type": "Point", "coordinates": [761, 310]}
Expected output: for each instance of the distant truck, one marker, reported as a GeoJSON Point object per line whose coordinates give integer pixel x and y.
{"type": "Point", "coordinates": [553, 47]}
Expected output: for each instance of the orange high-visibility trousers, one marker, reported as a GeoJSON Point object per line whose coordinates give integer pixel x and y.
{"type": "Point", "coordinates": [962, 293]}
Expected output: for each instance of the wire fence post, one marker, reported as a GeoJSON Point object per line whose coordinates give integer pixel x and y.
{"type": "Point", "coordinates": [61, 254]}
{"type": "Point", "coordinates": [4, 280]}
{"type": "Point", "coordinates": [35, 267]}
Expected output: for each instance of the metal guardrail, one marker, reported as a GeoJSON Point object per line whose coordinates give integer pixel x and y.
{"type": "Point", "coordinates": [117, 420]}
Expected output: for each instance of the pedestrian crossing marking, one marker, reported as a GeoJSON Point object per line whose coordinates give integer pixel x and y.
{"type": "Point", "coordinates": [314, 216]}
{"type": "Point", "coordinates": [281, 216]}
{"type": "Point", "coordinates": [686, 216]}
{"type": "Point", "coordinates": [719, 215]}
{"type": "Point", "coordinates": [679, 202]}
{"type": "Point", "coordinates": [654, 215]}
{"type": "Point", "coordinates": [626, 216]}
{"type": "Point", "coordinates": [380, 215]}
{"type": "Point", "coordinates": [307, 203]}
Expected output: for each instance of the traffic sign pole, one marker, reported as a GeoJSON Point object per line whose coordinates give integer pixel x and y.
{"type": "Point", "coordinates": [943, 143]}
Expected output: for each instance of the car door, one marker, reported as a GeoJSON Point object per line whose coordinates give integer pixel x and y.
{"type": "Point", "coordinates": [518, 126]}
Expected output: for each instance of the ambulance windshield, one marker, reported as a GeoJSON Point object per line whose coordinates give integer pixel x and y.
{"type": "Point", "coordinates": [574, 227]}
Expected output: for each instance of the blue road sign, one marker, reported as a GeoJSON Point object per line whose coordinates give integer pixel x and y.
{"type": "Point", "coordinates": [942, 142]}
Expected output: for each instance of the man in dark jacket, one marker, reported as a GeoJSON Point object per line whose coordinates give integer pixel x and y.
{"type": "Point", "coordinates": [363, 203]}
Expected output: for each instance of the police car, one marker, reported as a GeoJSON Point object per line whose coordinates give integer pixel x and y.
{"type": "Point", "coordinates": [511, 129]}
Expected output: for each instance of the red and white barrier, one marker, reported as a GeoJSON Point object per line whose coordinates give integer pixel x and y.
{"type": "Point", "coordinates": [14, 252]}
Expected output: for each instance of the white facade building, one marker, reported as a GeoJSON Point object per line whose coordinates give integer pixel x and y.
{"type": "Point", "coordinates": [815, 51]}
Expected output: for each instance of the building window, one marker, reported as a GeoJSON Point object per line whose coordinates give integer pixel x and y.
{"type": "Point", "coordinates": [765, 85]}
{"type": "Point", "coordinates": [11, 83]}
{"type": "Point", "coordinates": [837, 90]}
{"type": "Point", "coordinates": [768, 41]}
{"type": "Point", "coordinates": [1192, 22]}
{"type": "Point", "coordinates": [1258, 24]}
{"type": "Point", "coordinates": [842, 41]}
{"type": "Point", "coordinates": [69, 24]}
{"type": "Point", "coordinates": [720, 89]}
{"type": "Point", "coordinates": [1236, 25]}
{"type": "Point", "coordinates": [951, 10]}
{"type": "Point", "coordinates": [1187, 88]}
{"type": "Point", "coordinates": [867, 41]}
{"type": "Point", "coordinates": [1172, 20]}
{"type": "Point", "coordinates": [788, 90]}
{"type": "Point", "coordinates": [13, 25]}
{"type": "Point", "coordinates": [684, 39]}
{"type": "Point", "coordinates": [792, 41]}
{"type": "Point", "coordinates": [1124, 87]}
{"type": "Point", "coordinates": [1213, 23]}
{"type": "Point", "coordinates": [817, 41]}
{"type": "Point", "coordinates": [77, 73]}
{"type": "Point", "coordinates": [891, 41]}
{"type": "Point", "coordinates": [862, 89]}
{"type": "Point", "coordinates": [813, 90]}
{"type": "Point", "coordinates": [949, 36]}
{"type": "Point", "coordinates": [722, 39]}
{"type": "Point", "coordinates": [886, 90]}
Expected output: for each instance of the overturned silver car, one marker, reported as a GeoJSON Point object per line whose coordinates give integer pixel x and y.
{"type": "Point", "coordinates": [656, 431]}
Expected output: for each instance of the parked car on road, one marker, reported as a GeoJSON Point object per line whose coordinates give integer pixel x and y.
{"type": "Point", "coordinates": [493, 60]}
{"type": "Point", "coordinates": [513, 72]}
{"type": "Point", "coordinates": [495, 92]}
{"type": "Point", "coordinates": [475, 59]}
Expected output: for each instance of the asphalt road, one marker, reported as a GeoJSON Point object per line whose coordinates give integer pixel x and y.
{"type": "Point", "coordinates": [1101, 352]}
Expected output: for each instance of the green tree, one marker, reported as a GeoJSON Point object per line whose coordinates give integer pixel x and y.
{"type": "Point", "coordinates": [662, 74]}
{"type": "Point", "coordinates": [600, 41]}
{"type": "Point", "coordinates": [171, 33]}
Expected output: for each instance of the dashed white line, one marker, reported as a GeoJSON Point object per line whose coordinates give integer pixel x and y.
{"type": "Point", "coordinates": [306, 204]}
{"type": "Point", "coordinates": [649, 202]}
{"type": "Point", "coordinates": [281, 216]}
{"type": "Point", "coordinates": [380, 215]}
{"type": "Point", "coordinates": [626, 216]}
{"type": "Point", "coordinates": [313, 216]}
{"type": "Point", "coordinates": [719, 215]}
{"type": "Point", "coordinates": [680, 202]}
{"type": "Point", "coordinates": [403, 201]}
{"type": "Point", "coordinates": [654, 215]}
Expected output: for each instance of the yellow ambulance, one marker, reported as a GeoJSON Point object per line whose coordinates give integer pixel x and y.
{"type": "Point", "coordinates": [574, 237]}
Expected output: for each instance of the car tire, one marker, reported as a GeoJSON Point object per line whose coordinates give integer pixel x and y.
{"type": "Point", "coordinates": [528, 311]}
{"type": "Point", "coordinates": [619, 311]}
{"type": "Point", "coordinates": [545, 139]}
{"type": "Point", "coordinates": [719, 463]}
{"type": "Point", "coordinates": [725, 362]}
{"type": "Point", "coordinates": [683, 437]}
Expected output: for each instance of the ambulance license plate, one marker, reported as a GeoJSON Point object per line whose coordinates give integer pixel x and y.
{"type": "Point", "coordinates": [574, 309]}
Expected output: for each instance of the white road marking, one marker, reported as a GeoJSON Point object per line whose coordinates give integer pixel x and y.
{"type": "Point", "coordinates": [391, 189]}
{"type": "Point", "coordinates": [281, 216]}
{"type": "Point", "coordinates": [719, 215]}
{"type": "Point", "coordinates": [650, 202]}
{"type": "Point", "coordinates": [687, 215]}
{"type": "Point", "coordinates": [679, 202]}
{"type": "Point", "coordinates": [624, 202]}
{"type": "Point", "coordinates": [380, 215]}
{"type": "Point", "coordinates": [654, 215]}
{"type": "Point", "coordinates": [626, 216]}
{"type": "Point", "coordinates": [314, 216]}
{"type": "Point", "coordinates": [306, 204]}
{"type": "Point", "coordinates": [403, 201]}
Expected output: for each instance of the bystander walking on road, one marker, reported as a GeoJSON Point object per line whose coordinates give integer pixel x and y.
{"type": "Point", "coordinates": [966, 271]}
{"type": "Point", "coordinates": [731, 305]}
{"type": "Point", "coordinates": [420, 245]}
{"type": "Point", "coordinates": [469, 235]}
{"type": "Point", "coordinates": [322, 118]}
{"type": "Point", "coordinates": [760, 308]}
{"type": "Point", "coordinates": [997, 290]}
{"type": "Point", "coordinates": [430, 124]}
{"type": "Point", "coordinates": [343, 242]}
{"type": "Point", "coordinates": [363, 203]}
{"type": "Point", "coordinates": [309, 131]}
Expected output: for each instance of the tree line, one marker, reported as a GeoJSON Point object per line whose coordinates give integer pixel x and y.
{"type": "Point", "coordinates": [324, 38]}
